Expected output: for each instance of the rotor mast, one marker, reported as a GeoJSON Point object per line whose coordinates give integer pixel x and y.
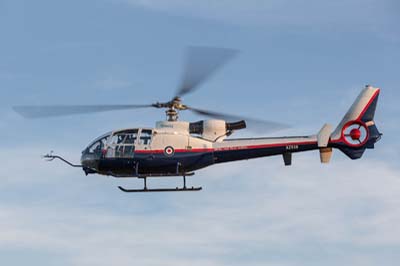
{"type": "Point", "coordinates": [174, 106]}
{"type": "Point", "coordinates": [172, 115]}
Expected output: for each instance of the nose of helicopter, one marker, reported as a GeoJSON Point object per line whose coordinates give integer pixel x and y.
{"type": "Point", "coordinates": [89, 164]}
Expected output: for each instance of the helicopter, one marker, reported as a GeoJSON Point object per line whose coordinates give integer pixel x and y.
{"type": "Point", "coordinates": [179, 148]}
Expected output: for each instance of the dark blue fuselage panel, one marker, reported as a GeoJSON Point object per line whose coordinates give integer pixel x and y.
{"type": "Point", "coordinates": [184, 162]}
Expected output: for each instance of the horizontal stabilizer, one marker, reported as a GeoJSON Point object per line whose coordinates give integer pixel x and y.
{"type": "Point", "coordinates": [324, 135]}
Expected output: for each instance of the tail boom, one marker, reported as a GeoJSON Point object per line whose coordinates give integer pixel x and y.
{"type": "Point", "coordinates": [355, 133]}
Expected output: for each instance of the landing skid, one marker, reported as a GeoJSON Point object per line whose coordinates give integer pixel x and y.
{"type": "Point", "coordinates": [146, 189]}
{"type": "Point", "coordinates": [161, 189]}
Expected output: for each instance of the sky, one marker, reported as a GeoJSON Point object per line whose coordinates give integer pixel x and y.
{"type": "Point", "coordinates": [300, 62]}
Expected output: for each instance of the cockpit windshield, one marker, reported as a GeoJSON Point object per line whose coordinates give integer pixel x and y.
{"type": "Point", "coordinates": [98, 145]}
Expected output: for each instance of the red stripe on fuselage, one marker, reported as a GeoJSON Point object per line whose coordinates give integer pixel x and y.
{"type": "Point", "coordinates": [232, 148]}
{"type": "Point", "coordinates": [262, 146]}
{"type": "Point", "coordinates": [177, 150]}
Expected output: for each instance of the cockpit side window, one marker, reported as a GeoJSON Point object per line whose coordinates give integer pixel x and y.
{"type": "Point", "coordinates": [131, 138]}
{"type": "Point", "coordinates": [122, 144]}
{"type": "Point", "coordinates": [145, 137]}
{"type": "Point", "coordinates": [125, 137]}
{"type": "Point", "coordinates": [120, 139]}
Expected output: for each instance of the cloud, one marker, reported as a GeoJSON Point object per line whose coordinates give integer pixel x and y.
{"type": "Point", "coordinates": [240, 217]}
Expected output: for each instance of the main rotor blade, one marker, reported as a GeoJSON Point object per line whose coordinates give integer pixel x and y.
{"type": "Point", "coordinates": [64, 110]}
{"type": "Point", "coordinates": [201, 63]}
{"type": "Point", "coordinates": [257, 125]}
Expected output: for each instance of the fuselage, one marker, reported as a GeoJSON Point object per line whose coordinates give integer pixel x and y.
{"type": "Point", "coordinates": [170, 149]}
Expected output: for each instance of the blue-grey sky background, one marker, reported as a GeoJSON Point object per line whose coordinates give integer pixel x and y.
{"type": "Point", "coordinates": [301, 62]}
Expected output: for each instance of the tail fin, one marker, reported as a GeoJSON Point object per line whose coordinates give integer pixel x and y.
{"type": "Point", "coordinates": [357, 131]}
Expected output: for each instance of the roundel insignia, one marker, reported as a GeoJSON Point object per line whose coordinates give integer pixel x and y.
{"type": "Point", "coordinates": [355, 133]}
{"type": "Point", "coordinates": [169, 151]}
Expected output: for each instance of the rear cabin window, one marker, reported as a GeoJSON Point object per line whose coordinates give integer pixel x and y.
{"type": "Point", "coordinates": [145, 137]}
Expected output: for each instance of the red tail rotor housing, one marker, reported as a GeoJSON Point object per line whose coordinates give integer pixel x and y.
{"type": "Point", "coordinates": [355, 133]}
